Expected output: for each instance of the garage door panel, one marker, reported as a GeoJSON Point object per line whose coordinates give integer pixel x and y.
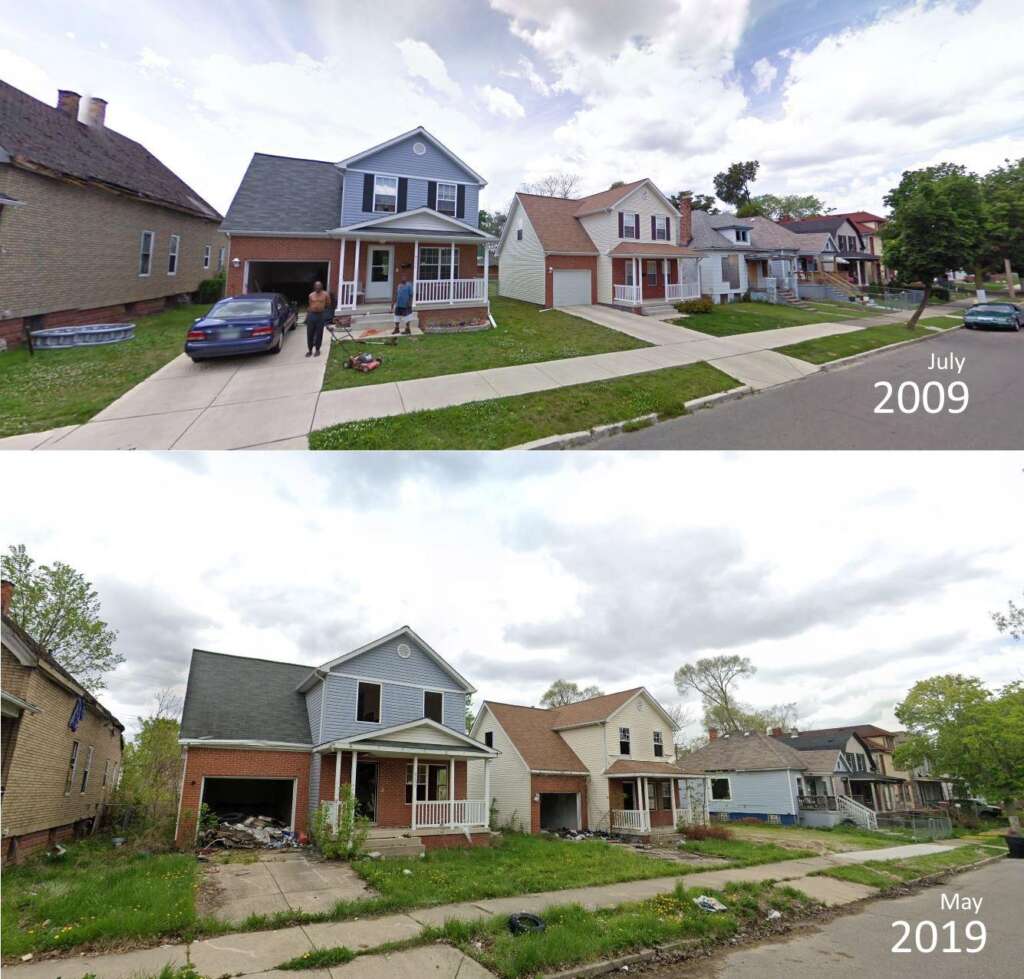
{"type": "Point", "coordinates": [571, 287]}
{"type": "Point", "coordinates": [559, 810]}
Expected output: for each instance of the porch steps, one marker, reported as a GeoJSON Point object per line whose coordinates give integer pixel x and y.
{"type": "Point", "coordinates": [394, 843]}
{"type": "Point", "coordinates": [657, 309]}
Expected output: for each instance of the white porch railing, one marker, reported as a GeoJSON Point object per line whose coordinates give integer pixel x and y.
{"type": "Point", "coordinates": [631, 820]}
{"type": "Point", "coordinates": [859, 813]}
{"type": "Point", "coordinates": [627, 294]}
{"type": "Point", "coordinates": [450, 290]}
{"type": "Point", "coordinates": [454, 812]}
{"type": "Point", "coordinates": [347, 295]}
{"type": "Point", "coordinates": [682, 290]}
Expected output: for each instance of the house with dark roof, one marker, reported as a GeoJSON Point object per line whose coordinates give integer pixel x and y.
{"type": "Point", "coordinates": [93, 227]}
{"type": "Point", "coordinates": [404, 210]}
{"type": "Point", "coordinates": [385, 722]}
{"type": "Point", "coordinates": [61, 746]}
{"type": "Point", "coordinates": [626, 246]}
{"type": "Point", "coordinates": [852, 260]}
{"type": "Point", "coordinates": [603, 763]}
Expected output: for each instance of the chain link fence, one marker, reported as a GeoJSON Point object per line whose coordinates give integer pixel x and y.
{"type": "Point", "coordinates": [922, 827]}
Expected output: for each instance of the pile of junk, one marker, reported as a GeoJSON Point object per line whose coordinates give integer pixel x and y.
{"type": "Point", "coordinates": [235, 831]}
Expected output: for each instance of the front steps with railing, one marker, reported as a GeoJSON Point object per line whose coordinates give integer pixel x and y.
{"type": "Point", "coordinates": [857, 812]}
{"type": "Point", "coordinates": [394, 843]}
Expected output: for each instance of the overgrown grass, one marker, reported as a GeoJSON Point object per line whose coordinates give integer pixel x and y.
{"type": "Point", "coordinates": [729, 319]}
{"type": "Point", "coordinates": [167, 972]}
{"type": "Point", "coordinates": [504, 422]}
{"type": "Point", "coordinates": [744, 853]}
{"type": "Point", "coordinates": [320, 958]}
{"type": "Point", "coordinates": [826, 349]}
{"type": "Point", "coordinates": [525, 335]}
{"type": "Point", "coordinates": [96, 895]}
{"type": "Point", "coordinates": [889, 873]}
{"type": "Point", "coordinates": [825, 838]}
{"type": "Point", "coordinates": [68, 387]}
{"type": "Point", "coordinates": [573, 935]}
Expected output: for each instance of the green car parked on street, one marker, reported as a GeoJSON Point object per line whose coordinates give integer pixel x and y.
{"type": "Point", "coordinates": [1000, 316]}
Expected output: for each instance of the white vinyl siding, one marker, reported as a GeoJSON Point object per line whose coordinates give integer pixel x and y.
{"type": "Point", "coordinates": [511, 784]}
{"type": "Point", "coordinates": [642, 723]}
{"type": "Point", "coordinates": [711, 281]}
{"type": "Point", "coordinates": [590, 747]}
{"type": "Point", "coordinates": [521, 263]}
{"type": "Point", "coordinates": [758, 793]}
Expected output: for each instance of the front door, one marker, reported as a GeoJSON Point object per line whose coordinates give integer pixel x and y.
{"type": "Point", "coordinates": [629, 796]}
{"type": "Point", "coordinates": [366, 789]}
{"type": "Point", "coordinates": [380, 272]}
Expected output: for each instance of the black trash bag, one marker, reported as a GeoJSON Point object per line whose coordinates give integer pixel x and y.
{"type": "Point", "coordinates": [523, 923]}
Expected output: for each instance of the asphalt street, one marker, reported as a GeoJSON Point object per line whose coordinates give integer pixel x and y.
{"type": "Point", "coordinates": [860, 944]}
{"type": "Point", "coordinates": [835, 409]}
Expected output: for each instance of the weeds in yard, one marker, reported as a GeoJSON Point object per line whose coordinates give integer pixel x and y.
{"type": "Point", "coordinates": [320, 958]}
{"type": "Point", "coordinates": [886, 874]}
{"type": "Point", "coordinates": [743, 853]}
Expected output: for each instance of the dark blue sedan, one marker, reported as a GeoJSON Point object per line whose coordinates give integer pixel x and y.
{"type": "Point", "coordinates": [255, 323]}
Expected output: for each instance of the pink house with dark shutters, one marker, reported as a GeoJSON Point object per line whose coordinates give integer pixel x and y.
{"type": "Point", "coordinates": [627, 246]}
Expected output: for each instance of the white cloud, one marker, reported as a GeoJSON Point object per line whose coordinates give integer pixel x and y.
{"type": "Point", "coordinates": [422, 61]}
{"type": "Point", "coordinates": [500, 102]}
{"type": "Point", "coordinates": [764, 74]}
{"type": "Point", "coordinates": [148, 58]}
{"type": "Point", "coordinates": [528, 72]}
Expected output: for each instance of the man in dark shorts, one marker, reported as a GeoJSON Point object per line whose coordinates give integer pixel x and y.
{"type": "Point", "coordinates": [316, 316]}
{"type": "Point", "coordinates": [403, 306]}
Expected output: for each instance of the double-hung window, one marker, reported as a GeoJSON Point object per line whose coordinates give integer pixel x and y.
{"type": "Point", "coordinates": [72, 765]}
{"type": "Point", "coordinates": [85, 771]}
{"type": "Point", "coordinates": [623, 740]}
{"type": "Point", "coordinates": [207, 252]}
{"type": "Point", "coordinates": [146, 253]}
{"type": "Point", "coordinates": [743, 235]}
{"type": "Point", "coordinates": [220, 258]}
{"type": "Point", "coordinates": [431, 783]}
{"type": "Point", "coordinates": [435, 263]}
{"type": "Point", "coordinates": [630, 223]}
{"type": "Point", "coordinates": [447, 198]}
{"type": "Point", "coordinates": [661, 228]}
{"type": "Point", "coordinates": [172, 255]}
{"type": "Point", "coordinates": [433, 705]}
{"type": "Point", "coordinates": [368, 703]}
{"type": "Point", "coordinates": [385, 194]}
{"type": "Point", "coordinates": [659, 747]}
{"type": "Point", "coordinates": [106, 773]}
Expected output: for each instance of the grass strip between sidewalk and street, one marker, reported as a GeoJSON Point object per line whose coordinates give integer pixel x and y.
{"type": "Point", "coordinates": [504, 422]}
{"type": "Point", "coordinates": [744, 853]}
{"type": "Point", "coordinates": [824, 350]}
{"type": "Point", "coordinates": [886, 874]}
{"type": "Point", "coordinates": [942, 322]}
{"type": "Point", "coordinates": [730, 319]}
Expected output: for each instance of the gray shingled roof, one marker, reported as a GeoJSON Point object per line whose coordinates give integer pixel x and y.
{"type": "Point", "coordinates": [703, 227]}
{"type": "Point", "coordinates": [235, 698]}
{"type": "Point", "coordinates": [829, 223]}
{"type": "Point", "coordinates": [766, 235]}
{"type": "Point", "coordinates": [286, 195]}
{"type": "Point", "coordinates": [742, 753]}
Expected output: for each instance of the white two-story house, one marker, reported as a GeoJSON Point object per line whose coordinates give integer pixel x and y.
{"type": "Point", "coordinates": [282, 739]}
{"type": "Point", "coordinates": [604, 763]}
{"type": "Point", "coordinates": [625, 247]}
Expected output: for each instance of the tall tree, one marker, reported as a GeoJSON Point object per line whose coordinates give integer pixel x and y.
{"type": "Point", "coordinates": [969, 734]}
{"type": "Point", "coordinates": [936, 224]}
{"type": "Point", "coordinates": [1002, 192]}
{"type": "Point", "coordinates": [699, 202]}
{"type": "Point", "coordinates": [733, 185]}
{"type": "Point", "coordinates": [55, 605]}
{"type": "Point", "coordinates": [562, 692]}
{"type": "Point", "coordinates": [1011, 621]}
{"type": "Point", "coordinates": [715, 679]}
{"type": "Point", "coordinates": [492, 221]}
{"type": "Point", "coordinates": [554, 185]}
{"type": "Point", "coordinates": [789, 206]}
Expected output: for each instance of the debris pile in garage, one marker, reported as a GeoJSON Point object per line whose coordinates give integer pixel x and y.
{"type": "Point", "coordinates": [580, 834]}
{"type": "Point", "coordinates": [237, 833]}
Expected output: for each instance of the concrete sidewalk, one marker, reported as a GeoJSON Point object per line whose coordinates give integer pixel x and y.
{"type": "Point", "coordinates": [250, 953]}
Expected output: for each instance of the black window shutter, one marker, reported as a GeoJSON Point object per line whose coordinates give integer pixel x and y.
{"type": "Point", "coordinates": [432, 194]}
{"type": "Point", "coordinates": [367, 191]}
{"type": "Point", "coordinates": [460, 206]}
{"type": "Point", "coordinates": [403, 193]}
{"type": "Point", "coordinates": [654, 228]}
{"type": "Point", "coordinates": [636, 226]}
{"type": "Point", "coordinates": [620, 224]}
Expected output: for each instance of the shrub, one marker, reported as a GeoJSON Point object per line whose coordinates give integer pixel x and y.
{"type": "Point", "coordinates": [348, 841]}
{"type": "Point", "coordinates": [940, 292]}
{"type": "Point", "coordinates": [702, 305]}
{"type": "Point", "coordinates": [212, 289]}
{"type": "Point", "coordinates": [709, 832]}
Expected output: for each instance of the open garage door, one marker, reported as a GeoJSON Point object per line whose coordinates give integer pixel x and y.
{"type": "Point", "coordinates": [559, 810]}
{"type": "Point", "coordinates": [292, 279]}
{"type": "Point", "coordinates": [234, 799]}
{"type": "Point", "coordinates": [571, 287]}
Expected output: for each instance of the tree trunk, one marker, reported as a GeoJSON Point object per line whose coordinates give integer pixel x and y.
{"type": "Point", "coordinates": [979, 278]}
{"type": "Point", "coordinates": [1009, 278]}
{"type": "Point", "coordinates": [1013, 815]}
{"type": "Point", "coordinates": [912, 322]}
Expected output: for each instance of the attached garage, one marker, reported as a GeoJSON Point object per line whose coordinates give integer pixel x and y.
{"type": "Point", "coordinates": [560, 810]}
{"type": "Point", "coordinates": [571, 287]}
{"type": "Point", "coordinates": [238, 798]}
{"type": "Point", "coordinates": [293, 279]}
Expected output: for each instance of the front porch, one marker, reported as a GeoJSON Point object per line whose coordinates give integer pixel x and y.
{"type": "Point", "coordinates": [646, 805]}
{"type": "Point", "coordinates": [654, 281]}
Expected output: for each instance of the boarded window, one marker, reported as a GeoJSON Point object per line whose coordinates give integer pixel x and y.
{"type": "Point", "coordinates": [731, 270]}
{"type": "Point", "coordinates": [433, 706]}
{"type": "Point", "coordinates": [368, 703]}
{"type": "Point", "coordinates": [720, 790]}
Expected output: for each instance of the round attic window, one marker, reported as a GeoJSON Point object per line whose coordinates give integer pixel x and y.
{"type": "Point", "coordinates": [404, 651]}
{"type": "Point", "coordinates": [419, 149]}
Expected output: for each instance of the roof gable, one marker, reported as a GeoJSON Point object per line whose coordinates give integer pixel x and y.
{"type": "Point", "coordinates": [592, 710]}
{"type": "Point", "coordinates": [742, 753]}
{"type": "Point", "coordinates": [555, 223]}
{"type": "Point", "coordinates": [398, 156]}
{"type": "Point", "coordinates": [529, 730]}
{"type": "Point", "coordinates": [421, 731]}
{"type": "Point", "coordinates": [607, 200]}
{"type": "Point", "coordinates": [426, 219]}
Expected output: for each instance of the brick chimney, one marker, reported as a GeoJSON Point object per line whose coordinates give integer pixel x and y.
{"type": "Point", "coordinates": [96, 112]}
{"type": "Point", "coordinates": [685, 221]}
{"type": "Point", "coordinates": [777, 732]}
{"type": "Point", "coordinates": [6, 593]}
{"type": "Point", "coordinates": [712, 734]}
{"type": "Point", "coordinates": [68, 101]}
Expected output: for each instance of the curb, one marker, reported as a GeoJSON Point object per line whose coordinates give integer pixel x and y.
{"type": "Point", "coordinates": [833, 365]}
{"type": "Point", "coordinates": [572, 440]}
{"type": "Point", "coordinates": [623, 961]}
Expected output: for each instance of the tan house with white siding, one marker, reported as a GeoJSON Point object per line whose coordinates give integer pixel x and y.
{"type": "Point", "coordinates": [61, 747]}
{"type": "Point", "coordinates": [606, 763]}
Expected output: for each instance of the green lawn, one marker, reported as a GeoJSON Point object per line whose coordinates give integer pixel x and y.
{"type": "Point", "coordinates": [573, 935]}
{"type": "Point", "coordinates": [728, 319]}
{"type": "Point", "coordinates": [525, 335]}
{"type": "Point", "coordinates": [822, 840]}
{"type": "Point", "coordinates": [68, 387]}
{"type": "Point", "coordinates": [826, 349]}
{"type": "Point", "coordinates": [744, 853]}
{"type": "Point", "coordinates": [942, 322]}
{"type": "Point", "coordinates": [96, 896]}
{"type": "Point", "coordinates": [841, 311]}
{"type": "Point", "coordinates": [504, 422]}
{"type": "Point", "coordinates": [890, 873]}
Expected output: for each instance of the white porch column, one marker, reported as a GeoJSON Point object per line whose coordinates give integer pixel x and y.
{"type": "Point", "coordinates": [664, 278]}
{"type": "Point", "coordinates": [451, 277]}
{"type": "Point", "coordinates": [647, 803]}
{"type": "Point", "coordinates": [451, 791]}
{"type": "Point", "coordinates": [352, 777]}
{"type": "Point", "coordinates": [674, 786]}
{"type": "Point", "coordinates": [355, 277]}
{"type": "Point", "coordinates": [341, 274]}
{"type": "Point", "coordinates": [640, 278]}
{"type": "Point", "coordinates": [487, 275]}
{"type": "Point", "coordinates": [337, 774]}
{"type": "Point", "coordinates": [415, 270]}
{"type": "Point", "coordinates": [415, 787]}
{"type": "Point", "coordinates": [487, 791]}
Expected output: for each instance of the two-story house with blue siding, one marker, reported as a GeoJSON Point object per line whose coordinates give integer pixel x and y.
{"type": "Point", "coordinates": [407, 209]}
{"type": "Point", "coordinates": [282, 739]}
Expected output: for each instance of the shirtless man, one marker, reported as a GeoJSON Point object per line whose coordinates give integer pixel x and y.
{"type": "Point", "coordinates": [316, 316]}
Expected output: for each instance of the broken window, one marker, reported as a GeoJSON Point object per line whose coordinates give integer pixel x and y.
{"type": "Point", "coordinates": [368, 703]}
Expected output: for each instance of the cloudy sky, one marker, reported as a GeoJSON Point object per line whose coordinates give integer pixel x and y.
{"type": "Point", "coordinates": [843, 579]}
{"type": "Point", "coordinates": [835, 99]}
